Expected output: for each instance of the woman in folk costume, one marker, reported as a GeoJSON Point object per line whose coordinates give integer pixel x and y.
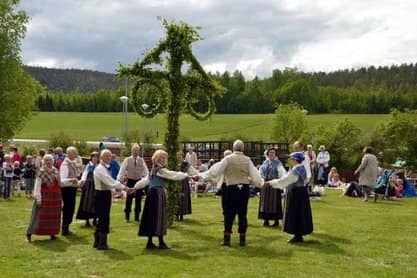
{"type": "Point", "coordinates": [298, 220]}
{"type": "Point", "coordinates": [270, 206]}
{"type": "Point", "coordinates": [86, 207]}
{"type": "Point", "coordinates": [154, 216]}
{"type": "Point", "coordinates": [185, 199]}
{"type": "Point", "coordinates": [46, 212]}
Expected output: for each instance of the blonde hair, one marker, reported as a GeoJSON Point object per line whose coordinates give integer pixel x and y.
{"type": "Point", "coordinates": [157, 154]}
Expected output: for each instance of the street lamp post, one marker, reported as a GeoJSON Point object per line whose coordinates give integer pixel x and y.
{"type": "Point", "coordinates": [124, 100]}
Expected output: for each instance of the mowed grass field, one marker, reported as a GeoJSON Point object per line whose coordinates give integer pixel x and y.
{"type": "Point", "coordinates": [350, 239]}
{"type": "Point", "coordinates": [93, 126]}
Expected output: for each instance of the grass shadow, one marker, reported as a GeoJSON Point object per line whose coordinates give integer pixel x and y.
{"type": "Point", "coordinates": [57, 245]}
{"type": "Point", "coordinates": [116, 254]}
{"type": "Point", "coordinates": [75, 239]}
{"type": "Point", "coordinates": [325, 244]}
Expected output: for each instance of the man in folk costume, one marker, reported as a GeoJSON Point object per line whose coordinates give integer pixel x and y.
{"type": "Point", "coordinates": [270, 206]}
{"type": "Point", "coordinates": [104, 184]}
{"type": "Point", "coordinates": [297, 216]}
{"type": "Point", "coordinates": [70, 169]}
{"type": "Point", "coordinates": [238, 171]}
{"type": "Point", "coordinates": [133, 168]}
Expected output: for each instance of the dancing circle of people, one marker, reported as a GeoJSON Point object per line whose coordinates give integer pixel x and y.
{"type": "Point", "coordinates": [56, 179]}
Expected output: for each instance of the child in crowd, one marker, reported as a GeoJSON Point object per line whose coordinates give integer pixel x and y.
{"type": "Point", "coordinates": [29, 175]}
{"type": "Point", "coordinates": [7, 172]}
{"type": "Point", "coordinates": [17, 177]}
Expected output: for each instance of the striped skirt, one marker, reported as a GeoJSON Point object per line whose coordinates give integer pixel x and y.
{"type": "Point", "coordinates": [46, 218]}
{"type": "Point", "coordinates": [154, 216]}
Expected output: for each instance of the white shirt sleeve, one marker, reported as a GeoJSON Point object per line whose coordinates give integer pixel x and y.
{"type": "Point", "coordinates": [85, 173]}
{"type": "Point", "coordinates": [216, 171]}
{"type": "Point", "coordinates": [37, 189]}
{"type": "Point", "coordinates": [171, 175]}
{"type": "Point", "coordinates": [142, 183]}
{"type": "Point", "coordinates": [285, 181]}
{"type": "Point", "coordinates": [307, 167]}
{"type": "Point", "coordinates": [104, 177]}
{"type": "Point", "coordinates": [145, 167]}
{"type": "Point", "coordinates": [281, 171]}
{"type": "Point", "coordinates": [256, 178]}
{"type": "Point", "coordinates": [63, 173]}
{"type": "Point", "coordinates": [122, 170]}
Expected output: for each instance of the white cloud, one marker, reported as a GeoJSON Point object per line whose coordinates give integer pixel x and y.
{"type": "Point", "coordinates": [252, 36]}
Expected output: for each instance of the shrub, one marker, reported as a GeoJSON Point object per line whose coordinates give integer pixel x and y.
{"type": "Point", "coordinates": [60, 139]}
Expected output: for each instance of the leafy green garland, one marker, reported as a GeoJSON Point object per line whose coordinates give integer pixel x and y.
{"type": "Point", "coordinates": [160, 78]}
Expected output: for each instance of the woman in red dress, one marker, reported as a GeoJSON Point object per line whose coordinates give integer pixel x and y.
{"type": "Point", "coordinates": [46, 212]}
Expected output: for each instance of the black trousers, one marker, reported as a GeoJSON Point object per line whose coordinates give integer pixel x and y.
{"type": "Point", "coordinates": [236, 199]}
{"type": "Point", "coordinates": [102, 206]}
{"type": "Point", "coordinates": [68, 198]}
{"type": "Point", "coordinates": [137, 195]}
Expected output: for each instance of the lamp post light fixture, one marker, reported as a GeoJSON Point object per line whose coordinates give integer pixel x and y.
{"type": "Point", "coordinates": [124, 100]}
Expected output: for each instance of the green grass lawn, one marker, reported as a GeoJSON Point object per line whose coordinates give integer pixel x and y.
{"type": "Point", "coordinates": [351, 239]}
{"type": "Point", "coordinates": [93, 126]}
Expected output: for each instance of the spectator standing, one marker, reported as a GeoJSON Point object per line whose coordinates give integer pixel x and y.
{"type": "Point", "coordinates": [368, 172]}
{"type": "Point", "coordinates": [29, 175]}
{"type": "Point", "coordinates": [323, 159]}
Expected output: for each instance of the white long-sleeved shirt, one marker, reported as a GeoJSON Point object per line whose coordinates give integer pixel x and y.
{"type": "Point", "coordinates": [217, 172]}
{"type": "Point", "coordinates": [280, 169]}
{"type": "Point", "coordinates": [163, 173]}
{"type": "Point", "coordinates": [215, 180]}
{"type": "Point", "coordinates": [323, 158]}
{"type": "Point", "coordinates": [124, 168]}
{"type": "Point", "coordinates": [282, 183]}
{"type": "Point", "coordinates": [103, 179]}
{"type": "Point", "coordinates": [66, 181]}
{"type": "Point", "coordinates": [37, 190]}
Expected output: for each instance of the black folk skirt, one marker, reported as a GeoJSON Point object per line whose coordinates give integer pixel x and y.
{"type": "Point", "coordinates": [86, 209]}
{"type": "Point", "coordinates": [297, 217]}
{"type": "Point", "coordinates": [154, 216]}
{"type": "Point", "coordinates": [185, 199]}
{"type": "Point", "coordinates": [270, 205]}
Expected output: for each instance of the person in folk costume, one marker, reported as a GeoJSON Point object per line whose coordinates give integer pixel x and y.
{"type": "Point", "coordinates": [270, 206]}
{"type": "Point", "coordinates": [46, 212]}
{"type": "Point", "coordinates": [184, 207]}
{"type": "Point", "coordinates": [154, 216]}
{"type": "Point", "coordinates": [298, 220]}
{"type": "Point", "coordinates": [323, 159]}
{"type": "Point", "coordinates": [238, 172]}
{"type": "Point", "coordinates": [70, 169]}
{"type": "Point", "coordinates": [86, 208]}
{"type": "Point", "coordinates": [133, 168]}
{"type": "Point", "coordinates": [103, 183]}
{"type": "Point", "coordinates": [299, 147]}
{"type": "Point", "coordinates": [191, 157]}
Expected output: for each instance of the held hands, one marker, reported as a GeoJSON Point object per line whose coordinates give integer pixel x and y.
{"type": "Point", "coordinates": [267, 184]}
{"type": "Point", "coordinates": [129, 190]}
{"type": "Point", "coordinates": [194, 177]}
{"type": "Point", "coordinates": [38, 202]}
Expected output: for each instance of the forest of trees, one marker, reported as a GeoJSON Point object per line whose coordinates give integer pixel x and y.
{"type": "Point", "coordinates": [365, 90]}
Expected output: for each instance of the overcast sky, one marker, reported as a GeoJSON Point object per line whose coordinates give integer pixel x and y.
{"type": "Point", "coordinates": [252, 36]}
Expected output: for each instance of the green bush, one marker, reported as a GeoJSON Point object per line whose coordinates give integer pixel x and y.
{"type": "Point", "coordinates": [28, 149]}
{"type": "Point", "coordinates": [60, 139]}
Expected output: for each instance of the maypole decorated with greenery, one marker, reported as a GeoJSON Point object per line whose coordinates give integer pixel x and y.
{"type": "Point", "coordinates": [170, 78]}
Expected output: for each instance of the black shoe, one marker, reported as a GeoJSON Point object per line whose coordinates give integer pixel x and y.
{"type": "Point", "coordinates": [242, 241]}
{"type": "Point", "coordinates": [96, 239]}
{"type": "Point", "coordinates": [296, 239]}
{"type": "Point", "coordinates": [266, 223]}
{"type": "Point", "coordinates": [226, 241]}
{"type": "Point", "coordinates": [53, 237]}
{"type": "Point", "coordinates": [102, 242]}
{"type": "Point", "coordinates": [87, 223]}
{"type": "Point", "coordinates": [127, 216]}
{"type": "Point", "coordinates": [66, 232]}
{"type": "Point", "coordinates": [163, 246]}
{"type": "Point", "coordinates": [150, 245]}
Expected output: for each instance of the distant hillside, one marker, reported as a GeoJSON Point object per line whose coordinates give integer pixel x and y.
{"type": "Point", "coordinates": [69, 80]}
